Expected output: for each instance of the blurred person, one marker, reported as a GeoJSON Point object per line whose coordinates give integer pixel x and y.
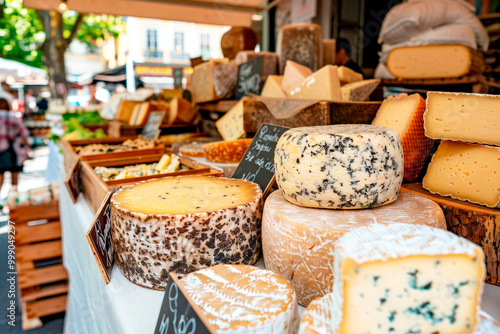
{"type": "Point", "coordinates": [102, 94]}
{"type": "Point", "coordinates": [29, 101]}
{"type": "Point", "coordinates": [343, 55]}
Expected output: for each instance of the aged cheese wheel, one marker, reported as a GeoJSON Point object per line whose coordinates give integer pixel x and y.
{"type": "Point", "coordinates": [298, 242]}
{"type": "Point", "coordinates": [340, 166]}
{"type": "Point", "coordinates": [227, 151]}
{"type": "Point", "coordinates": [244, 299]}
{"type": "Point", "coordinates": [183, 224]}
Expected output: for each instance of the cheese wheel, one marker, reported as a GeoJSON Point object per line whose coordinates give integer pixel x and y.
{"type": "Point", "coordinates": [192, 150]}
{"type": "Point", "coordinates": [226, 151]}
{"type": "Point", "coordinates": [244, 299]}
{"type": "Point", "coordinates": [183, 224]}
{"type": "Point", "coordinates": [340, 166]}
{"type": "Point", "coordinates": [298, 242]}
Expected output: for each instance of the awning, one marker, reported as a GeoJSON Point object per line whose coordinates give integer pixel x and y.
{"type": "Point", "coordinates": [13, 71]}
{"type": "Point", "coordinates": [220, 12]}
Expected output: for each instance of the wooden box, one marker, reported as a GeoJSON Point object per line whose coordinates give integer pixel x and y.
{"type": "Point", "coordinates": [94, 188]}
{"type": "Point", "coordinates": [119, 129]}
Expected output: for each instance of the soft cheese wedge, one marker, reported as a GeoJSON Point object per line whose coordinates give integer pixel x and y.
{"type": "Point", "coordinates": [184, 224]}
{"type": "Point", "coordinates": [463, 117]}
{"type": "Point", "coordinates": [406, 279]}
{"type": "Point", "coordinates": [230, 126]}
{"type": "Point", "coordinates": [346, 75]}
{"type": "Point", "coordinates": [358, 91]}
{"type": "Point", "coordinates": [244, 299]}
{"type": "Point", "coordinates": [294, 74]}
{"type": "Point", "coordinates": [272, 87]}
{"type": "Point", "coordinates": [321, 85]}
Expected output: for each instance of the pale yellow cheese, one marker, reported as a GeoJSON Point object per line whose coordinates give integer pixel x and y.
{"type": "Point", "coordinates": [358, 91]}
{"type": "Point", "coordinates": [230, 126]}
{"type": "Point", "coordinates": [164, 161]}
{"type": "Point", "coordinates": [346, 75]}
{"type": "Point", "coordinates": [272, 87]}
{"type": "Point", "coordinates": [293, 75]}
{"type": "Point", "coordinates": [322, 85]}
{"type": "Point", "coordinates": [329, 51]}
{"type": "Point", "coordinates": [465, 171]}
{"type": "Point", "coordinates": [464, 117]}
{"type": "Point", "coordinates": [213, 80]}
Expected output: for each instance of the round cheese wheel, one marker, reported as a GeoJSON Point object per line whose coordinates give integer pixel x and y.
{"type": "Point", "coordinates": [298, 242]}
{"type": "Point", "coordinates": [340, 166]}
{"type": "Point", "coordinates": [243, 299]}
{"type": "Point", "coordinates": [183, 224]}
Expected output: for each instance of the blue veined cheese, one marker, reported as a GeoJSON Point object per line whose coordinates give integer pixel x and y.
{"type": "Point", "coordinates": [406, 279]}
{"type": "Point", "coordinates": [340, 166]}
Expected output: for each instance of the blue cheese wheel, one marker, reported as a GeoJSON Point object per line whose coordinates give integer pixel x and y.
{"type": "Point", "coordinates": [340, 166]}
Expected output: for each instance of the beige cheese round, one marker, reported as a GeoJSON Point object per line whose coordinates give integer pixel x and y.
{"type": "Point", "coordinates": [340, 166]}
{"type": "Point", "coordinates": [183, 224]}
{"type": "Point", "coordinates": [298, 242]}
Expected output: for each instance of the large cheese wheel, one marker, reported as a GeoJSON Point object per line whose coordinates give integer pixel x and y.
{"type": "Point", "coordinates": [340, 166]}
{"type": "Point", "coordinates": [298, 243]}
{"type": "Point", "coordinates": [183, 224]}
{"type": "Point", "coordinates": [244, 299]}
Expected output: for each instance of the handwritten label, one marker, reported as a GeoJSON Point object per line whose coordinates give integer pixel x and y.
{"type": "Point", "coordinates": [72, 181]}
{"type": "Point", "coordinates": [99, 239]}
{"type": "Point", "coordinates": [178, 75]}
{"type": "Point", "coordinates": [152, 126]}
{"type": "Point", "coordinates": [257, 164]}
{"type": "Point", "coordinates": [177, 315]}
{"type": "Point", "coordinates": [249, 78]}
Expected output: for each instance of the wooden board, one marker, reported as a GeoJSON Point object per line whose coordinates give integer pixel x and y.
{"type": "Point", "coordinates": [32, 294]}
{"type": "Point", "coordinates": [28, 234]}
{"type": "Point", "coordinates": [476, 223]}
{"type": "Point", "coordinates": [219, 106]}
{"type": "Point", "coordinates": [118, 129]}
{"type": "Point", "coordinates": [44, 307]}
{"type": "Point", "coordinates": [38, 251]}
{"type": "Point", "coordinates": [41, 276]}
{"type": "Point", "coordinates": [24, 214]}
{"type": "Point", "coordinates": [354, 112]}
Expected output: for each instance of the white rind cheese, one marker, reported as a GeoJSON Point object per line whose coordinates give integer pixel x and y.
{"type": "Point", "coordinates": [298, 243]}
{"type": "Point", "coordinates": [406, 279]}
{"type": "Point", "coordinates": [244, 299]}
{"type": "Point", "coordinates": [340, 166]}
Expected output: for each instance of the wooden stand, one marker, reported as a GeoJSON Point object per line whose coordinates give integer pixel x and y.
{"type": "Point", "coordinates": [120, 129]}
{"type": "Point", "coordinates": [465, 84]}
{"type": "Point", "coordinates": [42, 279]}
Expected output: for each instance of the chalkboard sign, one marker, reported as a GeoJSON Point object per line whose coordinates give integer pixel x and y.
{"type": "Point", "coordinates": [72, 181]}
{"type": "Point", "coordinates": [178, 78]}
{"type": "Point", "coordinates": [257, 164]}
{"type": "Point", "coordinates": [151, 129]}
{"type": "Point", "coordinates": [249, 78]}
{"type": "Point", "coordinates": [99, 239]}
{"type": "Point", "coordinates": [178, 313]}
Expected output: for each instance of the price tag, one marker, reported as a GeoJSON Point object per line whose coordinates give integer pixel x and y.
{"type": "Point", "coordinates": [249, 78]}
{"type": "Point", "coordinates": [72, 181]}
{"type": "Point", "coordinates": [151, 129]}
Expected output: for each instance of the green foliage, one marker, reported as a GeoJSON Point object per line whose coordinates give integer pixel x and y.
{"type": "Point", "coordinates": [93, 27]}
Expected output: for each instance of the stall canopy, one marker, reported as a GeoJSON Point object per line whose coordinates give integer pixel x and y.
{"type": "Point", "coordinates": [12, 71]}
{"type": "Point", "coordinates": [220, 12]}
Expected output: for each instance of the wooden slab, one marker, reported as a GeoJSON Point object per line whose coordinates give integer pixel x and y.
{"type": "Point", "coordinates": [39, 251]}
{"type": "Point", "coordinates": [35, 293]}
{"type": "Point", "coordinates": [44, 307]}
{"type": "Point", "coordinates": [40, 276]}
{"type": "Point", "coordinates": [24, 214]}
{"type": "Point", "coordinates": [29, 234]}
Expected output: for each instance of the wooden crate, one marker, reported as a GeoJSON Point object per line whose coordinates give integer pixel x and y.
{"type": "Point", "coordinates": [94, 188]}
{"type": "Point", "coordinates": [120, 129]}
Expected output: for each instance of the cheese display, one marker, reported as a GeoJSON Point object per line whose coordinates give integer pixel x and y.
{"type": "Point", "coordinates": [405, 114]}
{"type": "Point", "coordinates": [230, 126]}
{"type": "Point", "coordinates": [272, 87]}
{"type": "Point", "coordinates": [465, 171]}
{"type": "Point", "coordinates": [128, 145]}
{"type": "Point", "coordinates": [194, 149]}
{"type": "Point", "coordinates": [463, 117]}
{"type": "Point", "coordinates": [302, 43]}
{"type": "Point", "coordinates": [181, 111]}
{"type": "Point", "coordinates": [340, 166]}
{"type": "Point", "coordinates": [226, 151]}
{"type": "Point", "coordinates": [406, 278]}
{"type": "Point", "coordinates": [141, 113]}
{"type": "Point", "coordinates": [431, 61]}
{"type": "Point", "coordinates": [237, 39]}
{"type": "Point", "coordinates": [213, 80]}
{"type": "Point", "coordinates": [269, 61]}
{"type": "Point", "coordinates": [346, 75]}
{"type": "Point", "coordinates": [298, 243]}
{"type": "Point", "coordinates": [184, 224]}
{"type": "Point", "coordinates": [125, 110]}
{"type": "Point", "coordinates": [322, 85]}
{"type": "Point", "coordinates": [329, 52]}
{"type": "Point", "coordinates": [243, 299]}
{"type": "Point", "coordinates": [358, 91]}
{"type": "Point", "coordinates": [294, 74]}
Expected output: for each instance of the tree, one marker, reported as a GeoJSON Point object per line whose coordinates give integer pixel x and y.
{"type": "Point", "coordinates": [40, 38]}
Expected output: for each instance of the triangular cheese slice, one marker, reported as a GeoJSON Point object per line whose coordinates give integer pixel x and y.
{"type": "Point", "coordinates": [272, 87]}
{"type": "Point", "coordinates": [358, 91]}
{"type": "Point", "coordinates": [346, 75]}
{"type": "Point", "coordinates": [294, 74]}
{"type": "Point", "coordinates": [321, 85]}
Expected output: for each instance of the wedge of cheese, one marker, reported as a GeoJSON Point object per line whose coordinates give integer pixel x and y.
{"type": "Point", "coordinates": [469, 172]}
{"type": "Point", "coordinates": [358, 91]}
{"type": "Point", "coordinates": [272, 87]}
{"type": "Point", "coordinates": [301, 43]}
{"type": "Point", "coordinates": [213, 80]}
{"type": "Point", "coordinates": [464, 117]}
{"type": "Point", "coordinates": [294, 74]}
{"type": "Point", "coordinates": [181, 111]}
{"type": "Point", "coordinates": [329, 51]}
{"type": "Point", "coordinates": [321, 85]}
{"type": "Point", "coordinates": [346, 75]}
{"type": "Point", "coordinates": [406, 279]}
{"type": "Point", "coordinates": [405, 114]}
{"type": "Point", "coordinates": [230, 126]}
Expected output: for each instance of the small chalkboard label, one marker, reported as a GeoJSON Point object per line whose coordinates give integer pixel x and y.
{"type": "Point", "coordinates": [152, 126]}
{"type": "Point", "coordinates": [178, 75]}
{"type": "Point", "coordinates": [178, 313]}
{"type": "Point", "coordinates": [99, 239]}
{"type": "Point", "coordinates": [72, 181]}
{"type": "Point", "coordinates": [257, 164]}
{"type": "Point", "coordinates": [249, 78]}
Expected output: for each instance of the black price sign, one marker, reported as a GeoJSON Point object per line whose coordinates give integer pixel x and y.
{"type": "Point", "coordinates": [257, 164]}
{"type": "Point", "coordinates": [178, 75]}
{"type": "Point", "coordinates": [178, 313]}
{"type": "Point", "coordinates": [72, 181]}
{"type": "Point", "coordinates": [249, 78]}
{"type": "Point", "coordinates": [152, 126]}
{"type": "Point", "coordinates": [99, 239]}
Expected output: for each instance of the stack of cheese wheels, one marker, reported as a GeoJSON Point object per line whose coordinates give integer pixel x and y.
{"type": "Point", "coordinates": [183, 224]}
{"type": "Point", "coordinates": [403, 279]}
{"type": "Point", "coordinates": [333, 167]}
{"type": "Point", "coordinates": [243, 299]}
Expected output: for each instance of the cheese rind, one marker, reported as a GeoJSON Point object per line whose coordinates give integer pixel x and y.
{"type": "Point", "coordinates": [405, 114]}
{"type": "Point", "coordinates": [226, 151]}
{"type": "Point", "coordinates": [358, 91]}
{"type": "Point", "coordinates": [321, 85]}
{"type": "Point", "coordinates": [243, 299]}
{"type": "Point", "coordinates": [213, 80]}
{"type": "Point", "coordinates": [465, 171]}
{"type": "Point", "coordinates": [272, 87]}
{"type": "Point", "coordinates": [298, 243]}
{"type": "Point", "coordinates": [294, 74]}
{"type": "Point", "coordinates": [230, 126]}
{"type": "Point", "coordinates": [346, 75]}
{"type": "Point", "coordinates": [463, 117]}
{"type": "Point", "coordinates": [302, 43]}
{"type": "Point", "coordinates": [184, 224]}
{"type": "Point", "coordinates": [340, 166]}
{"type": "Point", "coordinates": [329, 51]}
{"type": "Point", "coordinates": [405, 279]}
